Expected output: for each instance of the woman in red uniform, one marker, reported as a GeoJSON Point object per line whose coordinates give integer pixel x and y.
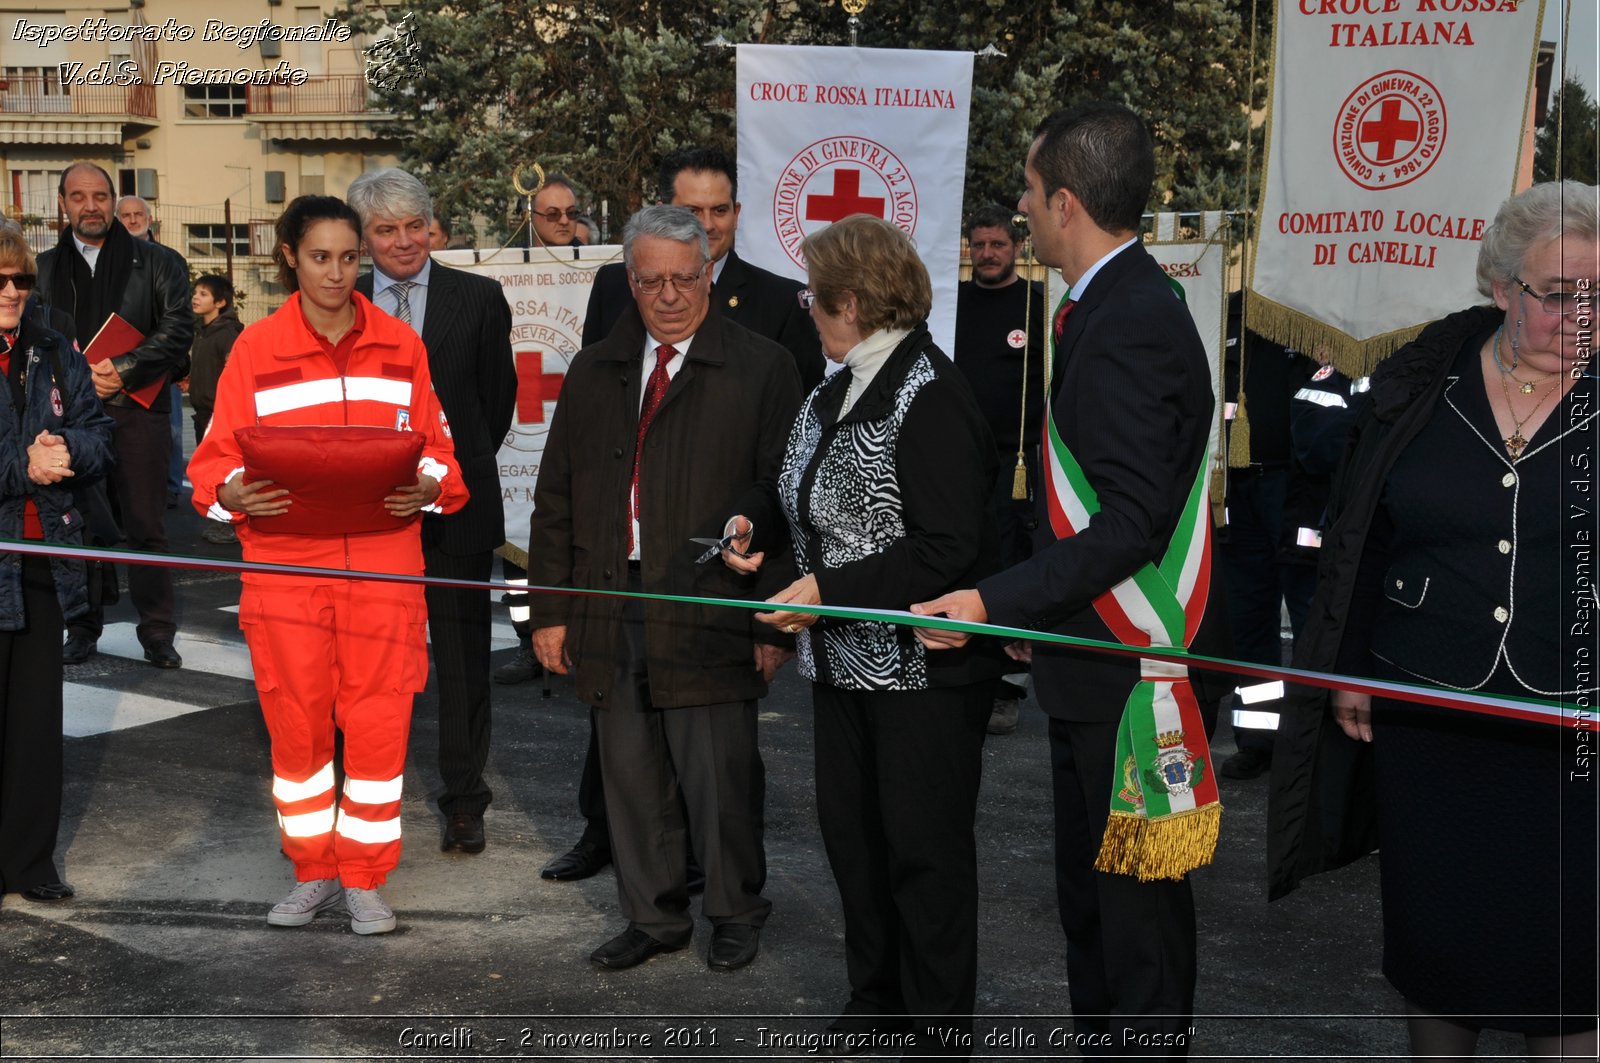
{"type": "Point", "coordinates": [330, 652]}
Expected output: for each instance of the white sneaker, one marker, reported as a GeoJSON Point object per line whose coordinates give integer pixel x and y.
{"type": "Point", "coordinates": [303, 904]}
{"type": "Point", "coordinates": [368, 913]}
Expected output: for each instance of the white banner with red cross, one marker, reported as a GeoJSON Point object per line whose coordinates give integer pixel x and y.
{"type": "Point", "coordinates": [548, 298]}
{"type": "Point", "coordinates": [1395, 132]}
{"type": "Point", "coordinates": [829, 132]}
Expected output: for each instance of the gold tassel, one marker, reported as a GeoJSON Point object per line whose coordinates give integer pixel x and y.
{"type": "Point", "coordinates": [1219, 497]}
{"type": "Point", "coordinates": [1119, 848]}
{"type": "Point", "coordinates": [1019, 480]}
{"type": "Point", "coordinates": [1239, 436]}
{"type": "Point", "coordinates": [1165, 848]}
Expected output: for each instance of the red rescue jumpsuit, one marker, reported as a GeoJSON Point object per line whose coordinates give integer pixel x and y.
{"type": "Point", "coordinates": [331, 652]}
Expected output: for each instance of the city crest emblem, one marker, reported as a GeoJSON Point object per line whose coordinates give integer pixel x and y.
{"type": "Point", "coordinates": [1131, 793]}
{"type": "Point", "coordinates": [1176, 769]}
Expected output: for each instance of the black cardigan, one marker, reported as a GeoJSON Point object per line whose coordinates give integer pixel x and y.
{"type": "Point", "coordinates": [1322, 813]}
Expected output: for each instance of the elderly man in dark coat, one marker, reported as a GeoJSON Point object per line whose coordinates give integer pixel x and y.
{"type": "Point", "coordinates": [659, 428]}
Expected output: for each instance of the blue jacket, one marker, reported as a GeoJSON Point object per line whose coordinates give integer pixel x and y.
{"type": "Point", "coordinates": [66, 407]}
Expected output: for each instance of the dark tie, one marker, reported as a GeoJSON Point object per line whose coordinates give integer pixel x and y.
{"type": "Point", "coordinates": [654, 389]}
{"type": "Point", "coordinates": [1061, 318]}
{"type": "Point", "coordinates": [402, 299]}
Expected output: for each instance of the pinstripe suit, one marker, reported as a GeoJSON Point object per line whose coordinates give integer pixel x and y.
{"type": "Point", "coordinates": [466, 328]}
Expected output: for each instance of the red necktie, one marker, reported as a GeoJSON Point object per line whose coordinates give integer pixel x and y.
{"type": "Point", "coordinates": [1061, 318]}
{"type": "Point", "coordinates": [653, 391]}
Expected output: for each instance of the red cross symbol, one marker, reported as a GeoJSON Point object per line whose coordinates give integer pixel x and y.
{"type": "Point", "coordinates": [845, 200]}
{"type": "Point", "coordinates": [1390, 129]}
{"type": "Point", "coordinates": [535, 387]}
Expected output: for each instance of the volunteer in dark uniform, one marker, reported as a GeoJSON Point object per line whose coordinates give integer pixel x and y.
{"type": "Point", "coordinates": [1000, 349]}
{"type": "Point", "coordinates": [1258, 587]}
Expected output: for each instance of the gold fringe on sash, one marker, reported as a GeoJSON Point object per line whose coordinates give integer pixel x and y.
{"type": "Point", "coordinates": [1169, 847]}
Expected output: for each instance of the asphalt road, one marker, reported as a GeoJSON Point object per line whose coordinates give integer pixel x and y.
{"type": "Point", "coordinates": [170, 840]}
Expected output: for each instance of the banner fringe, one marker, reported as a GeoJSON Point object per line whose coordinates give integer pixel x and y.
{"type": "Point", "coordinates": [514, 554]}
{"type": "Point", "coordinates": [1350, 356]}
{"type": "Point", "coordinates": [1165, 848]}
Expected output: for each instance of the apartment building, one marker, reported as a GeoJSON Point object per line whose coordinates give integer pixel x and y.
{"type": "Point", "coordinates": [217, 113]}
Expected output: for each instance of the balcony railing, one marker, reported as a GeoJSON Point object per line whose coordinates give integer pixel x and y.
{"type": "Point", "coordinates": [33, 94]}
{"type": "Point", "coordinates": [341, 94]}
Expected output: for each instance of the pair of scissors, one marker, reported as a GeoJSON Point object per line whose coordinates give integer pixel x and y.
{"type": "Point", "coordinates": [719, 545]}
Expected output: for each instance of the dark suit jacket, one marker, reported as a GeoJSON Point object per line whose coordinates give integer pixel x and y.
{"type": "Point", "coordinates": [721, 427]}
{"type": "Point", "coordinates": [467, 330]}
{"type": "Point", "coordinates": [761, 301]}
{"type": "Point", "coordinates": [1131, 396]}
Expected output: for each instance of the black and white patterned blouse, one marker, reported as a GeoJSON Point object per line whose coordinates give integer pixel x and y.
{"type": "Point", "coordinates": [840, 490]}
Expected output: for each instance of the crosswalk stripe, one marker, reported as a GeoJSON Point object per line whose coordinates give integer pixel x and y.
{"type": "Point", "coordinates": [502, 636]}
{"type": "Point", "coordinates": [199, 653]}
{"type": "Point", "coordinates": [91, 710]}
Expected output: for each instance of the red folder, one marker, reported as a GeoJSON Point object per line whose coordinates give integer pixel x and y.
{"type": "Point", "coordinates": [337, 475]}
{"type": "Point", "coordinates": [116, 338]}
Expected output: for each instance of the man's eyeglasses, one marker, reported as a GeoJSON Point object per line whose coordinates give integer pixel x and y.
{"type": "Point", "coordinates": [555, 214]}
{"type": "Point", "coordinates": [1561, 304]}
{"type": "Point", "coordinates": [23, 281]}
{"type": "Point", "coordinates": [684, 282]}
{"type": "Point", "coordinates": [806, 297]}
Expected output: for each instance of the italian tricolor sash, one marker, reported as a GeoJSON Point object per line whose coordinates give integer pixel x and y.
{"type": "Point", "coordinates": [1165, 811]}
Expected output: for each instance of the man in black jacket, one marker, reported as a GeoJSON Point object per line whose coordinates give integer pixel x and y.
{"type": "Point", "coordinates": [1131, 400]}
{"type": "Point", "coordinates": [706, 182]}
{"type": "Point", "coordinates": [95, 270]}
{"type": "Point", "coordinates": [465, 323]}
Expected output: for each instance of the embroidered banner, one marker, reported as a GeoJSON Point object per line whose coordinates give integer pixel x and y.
{"type": "Point", "coordinates": [1393, 137]}
{"type": "Point", "coordinates": [829, 132]}
{"type": "Point", "coordinates": [548, 297]}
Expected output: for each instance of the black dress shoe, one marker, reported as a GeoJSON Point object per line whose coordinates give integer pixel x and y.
{"type": "Point", "coordinates": [1246, 764]}
{"type": "Point", "coordinates": [629, 949]}
{"type": "Point", "coordinates": [78, 648]}
{"type": "Point", "coordinates": [522, 667]}
{"type": "Point", "coordinates": [463, 831]}
{"type": "Point", "coordinates": [585, 859]}
{"type": "Point", "coordinates": [733, 945]}
{"type": "Point", "coordinates": [162, 655]}
{"type": "Point", "coordinates": [48, 892]}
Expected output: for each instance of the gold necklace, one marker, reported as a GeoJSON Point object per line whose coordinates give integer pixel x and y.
{"type": "Point", "coordinates": [1516, 442]}
{"type": "Point", "coordinates": [1524, 386]}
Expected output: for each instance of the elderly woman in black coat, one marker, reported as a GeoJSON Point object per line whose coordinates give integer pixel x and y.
{"type": "Point", "coordinates": [1459, 554]}
{"type": "Point", "coordinates": [53, 434]}
{"type": "Point", "coordinates": [883, 493]}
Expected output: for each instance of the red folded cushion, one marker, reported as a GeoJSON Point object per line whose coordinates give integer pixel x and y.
{"type": "Point", "coordinates": [337, 475]}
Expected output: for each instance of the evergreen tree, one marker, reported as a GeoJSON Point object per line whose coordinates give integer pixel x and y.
{"type": "Point", "coordinates": [602, 89]}
{"type": "Point", "coordinates": [1576, 115]}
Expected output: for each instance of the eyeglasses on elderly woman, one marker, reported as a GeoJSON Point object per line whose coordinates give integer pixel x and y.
{"type": "Point", "coordinates": [1562, 304]}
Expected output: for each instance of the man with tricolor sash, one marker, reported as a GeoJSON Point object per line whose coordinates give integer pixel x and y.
{"type": "Point", "coordinates": [1123, 554]}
